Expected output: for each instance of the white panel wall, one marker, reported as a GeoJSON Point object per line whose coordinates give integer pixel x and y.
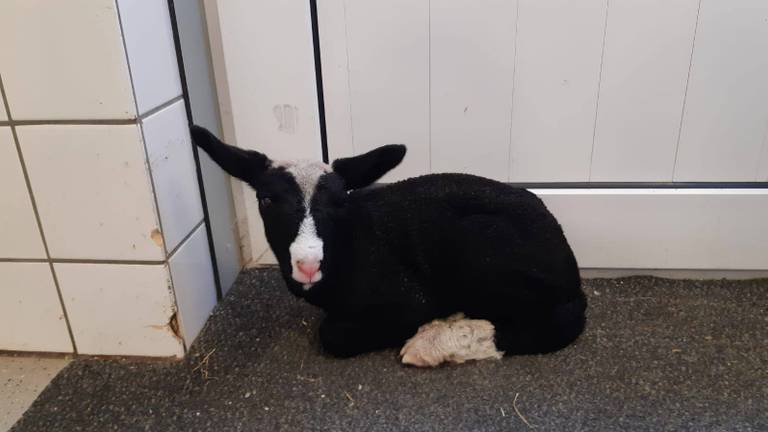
{"type": "Point", "coordinates": [388, 45]}
{"type": "Point", "coordinates": [525, 91]}
{"type": "Point", "coordinates": [559, 45]}
{"type": "Point", "coordinates": [726, 113]}
{"type": "Point", "coordinates": [332, 14]}
{"type": "Point", "coordinates": [598, 90]}
{"type": "Point", "coordinates": [645, 64]}
{"type": "Point", "coordinates": [471, 85]}
{"type": "Point", "coordinates": [266, 82]}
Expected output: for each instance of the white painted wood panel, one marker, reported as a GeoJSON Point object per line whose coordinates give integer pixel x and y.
{"type": "Point", "coordinates": [762, 169]}
{"type": "Point", "coordinates": [645, 67]}
{"type": "Point", "coordinates": [720, 229]}
{"type": "Point", "coordinates": [559, 47]}
{"type": "Point", "coordinates": [388, 44]}
{"type": "Point", "coordinates": [472, 59]}
{"type": "Point", "coordinates": [332, 22]}
{"type": "Point", "coordinates": [726, 112]}
{"type": "Point", "coordinates": [271, 95]}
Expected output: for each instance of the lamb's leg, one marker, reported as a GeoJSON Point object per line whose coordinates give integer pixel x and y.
{"type": "Point", "coordinates": [455, 340]}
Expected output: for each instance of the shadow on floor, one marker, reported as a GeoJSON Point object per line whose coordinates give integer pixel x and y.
{"type": "Point", "coordinates": [657, 355]}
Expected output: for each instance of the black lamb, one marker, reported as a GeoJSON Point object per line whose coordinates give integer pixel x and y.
{"type": "Point", "coordinates": [391, 262]}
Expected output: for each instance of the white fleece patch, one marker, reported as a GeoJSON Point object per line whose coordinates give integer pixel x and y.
{"type": "Point", "coordinates": [306, 173]}
{"type": "Point", "coordinates": [307, 246]}
{"type": "Point", "coordinates": [455, 340]}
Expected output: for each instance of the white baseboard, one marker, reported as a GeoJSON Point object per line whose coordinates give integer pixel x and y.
{"type": "Point", "coordinates": [694, 229]}
{"type": "Point", "coordinates": [590, 273]}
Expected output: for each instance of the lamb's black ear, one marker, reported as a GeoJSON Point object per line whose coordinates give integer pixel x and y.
{"type": "Point", "coordinates": [360, 171]}
{"type": "Point", "coordinates": [246, 165]}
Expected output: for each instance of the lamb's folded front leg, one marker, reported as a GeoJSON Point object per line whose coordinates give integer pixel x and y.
{"type": "Point", "coordinates": [346, 338]}
{"type": "Point", "coordinates": [454, 340]}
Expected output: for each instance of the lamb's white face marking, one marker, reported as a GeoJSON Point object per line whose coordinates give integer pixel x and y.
{"type": "Point", "coordinates": [307, 248]}
{"type": "Point", "coordinates": [455, 339]}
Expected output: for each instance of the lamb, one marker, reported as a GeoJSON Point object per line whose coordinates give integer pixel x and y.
{"type": "Point", "coordinates": [388, 263]}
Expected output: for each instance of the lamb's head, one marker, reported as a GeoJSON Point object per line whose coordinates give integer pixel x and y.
{"type": "Point", "coordinates": [303, 203]}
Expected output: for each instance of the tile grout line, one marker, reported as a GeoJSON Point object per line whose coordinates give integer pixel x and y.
{"type": "Point", "coordinates": [38, 219]}
{"type": "Point", "coordinates": [23, 260]}
{"type": "Point", "coordinates": [685, 93]}
{"type": "Point", "coordinates": [70, 122]}
{"type": "Point", "coordinates": [184, 240]}
{"type": "Point", "coordinates": [93, 122]}
{"type": "Point", "coordinates": [159, 108]}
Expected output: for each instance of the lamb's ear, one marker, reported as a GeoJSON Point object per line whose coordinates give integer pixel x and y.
{"type": "Point", "coordinates": [246, 165]}
{"type": "Point", "coordinates": [360, 171]}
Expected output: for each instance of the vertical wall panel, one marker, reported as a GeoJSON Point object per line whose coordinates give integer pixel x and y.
{"type": "Point", "coordinates": [645, 67]}
{"type": "Point", "coordinates": [332, 22]}
{"type": "Point", "coordinates": [726, 111]}
{"type": "Point", "coordinates": [559, 44]}
{"type": "Point", "coordinates": [269, 68]}
{"type": "Point", "coordinates": [762, 169]}
{"type": "Point", "coordinates": [471, 75]}
{"type": "Point", "coordinates": [389, 72]}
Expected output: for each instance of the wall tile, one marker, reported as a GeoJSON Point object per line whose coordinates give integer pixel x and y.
{"type": "Point", "coordinates": [30, 312]}
{"type": "Point", "coordinates": [151, 51]}
{"type": "Point", "coordinates": [93, 191]}
{"type": "Point", "coordinates": [64, 60]}
{"type": "Point", "coordinates": [169, 149]}
{"type": "Point", "coordinates": [120, 309]}
{"type": "Point", "coordinates": [19, 235]}
{"type": "Point", "coordinates": [193, 284]}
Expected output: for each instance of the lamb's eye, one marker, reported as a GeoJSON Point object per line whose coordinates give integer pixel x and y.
{"type": "Point", "coordinates": [265, 202]}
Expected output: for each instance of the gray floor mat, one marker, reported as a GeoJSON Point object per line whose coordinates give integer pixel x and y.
{"type": "Point", "coordinates": [657, 355]}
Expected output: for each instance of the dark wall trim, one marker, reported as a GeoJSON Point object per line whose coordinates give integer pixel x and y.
{"type": "Point", "coordinates": [201, 186]}
{"type": "Point", "coordinates": [319, 80]}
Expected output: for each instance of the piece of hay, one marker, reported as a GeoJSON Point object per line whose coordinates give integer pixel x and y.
{"type": "Point", "coordinates": [203, 365]}
{"type": "Point", "coordinates": [514, 405]}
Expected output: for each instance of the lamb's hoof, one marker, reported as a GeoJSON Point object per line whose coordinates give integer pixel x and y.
{"type": "Point", "coordinates": [454, 340]}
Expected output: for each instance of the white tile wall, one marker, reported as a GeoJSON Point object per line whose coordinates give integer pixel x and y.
{"type": "Point", "coordinates": [120, 309]}
{"type": "Point", "coordinates": [19, 234]}
{"type": "Point", "coordinates": [169, 148]}
{"type": "Point", "coordinates": [193, 284]}
{"type": "Point", "coordinates": [31, 317]}
{"type": "Point", "coordinates": [151, 52]}
{"type": "Point", "coordinates": [64, 60]}
{"type": "Point", "coordinates": [93, 191]}
{"type": "Point", "coordinates": [121, 196]}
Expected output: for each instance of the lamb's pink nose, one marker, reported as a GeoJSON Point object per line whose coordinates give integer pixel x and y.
{"type": "Point", "coordinates": [308, 268]}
